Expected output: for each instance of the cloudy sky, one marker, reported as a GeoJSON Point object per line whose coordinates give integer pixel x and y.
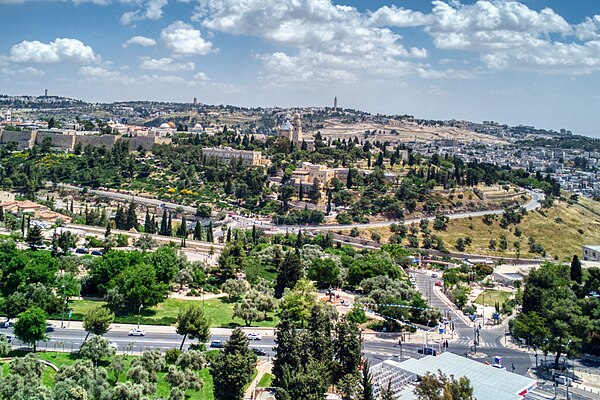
{"type": "Point", "coordinates": [532, 62]}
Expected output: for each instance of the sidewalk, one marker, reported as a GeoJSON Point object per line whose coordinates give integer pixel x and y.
{"type": "Point", "coordinates": [119, 327]}
{"type": "Point", "coordinates": [263, 367]}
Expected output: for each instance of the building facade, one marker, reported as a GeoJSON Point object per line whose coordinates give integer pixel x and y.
{"type": "Point", "coordinates": [227, 154]}
{"type": "Point", "coordinates": [591, 253]}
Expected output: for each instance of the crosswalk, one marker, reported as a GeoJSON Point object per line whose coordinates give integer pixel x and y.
{"type": "Point", "coordinates": [469, 342]}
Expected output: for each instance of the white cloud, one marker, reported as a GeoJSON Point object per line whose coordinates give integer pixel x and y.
{"type": "Point", "coordinates": [140, 41]}
{"type": "Point", "coordinates": [150, 9]}
{"type": "Point", "coordinates": [398, 17]}
{"type": "Point", "coordinates": [328, 42]}
{"type": "Point", "coordinates": [33, 72]}
{"type": "Point", "coordinates": [60, 50]}
{"type": "Point", "coordinates": [183, 40]}
{"type": "Point", "coordinates": [102, 74]}
{"type": "Point", "coordinates": [201, 76]}
{"type": "Point", "coordinates": [166, 64]}
{"type": "Point", "coordinates": [97, 2]}
{"type": "Point", "coordinates": [589, 29]}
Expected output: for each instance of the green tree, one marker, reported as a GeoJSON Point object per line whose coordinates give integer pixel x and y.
{"type": "Point", "coordinates": [347, 346]}
{"type": "Point", "coordinates": [299, 301]}
{"type": "Point", "coordinates": [233, 367]}
{"type": "Point", "coordinates": [31, 326]}
{"type": "Point", "coordinates": [96, 349]}
{"type": "Point", "coordinates": [34, 237]}
{"type": "Point", "coordinates": [235, 288]}
{"type": "Point", "coordinates": [442, 387]}
{"type": "Point", "coordinates": [367, 382]}
{"type": "Point", "coordinates": [576, 273]}
{"type": "Point", "coordinates": [290, 272]}
{"type": "Point", "coordinates": [209, 233]}
{"type": "Point", "coordinates": [5, 347]}
{"type": "Point", "coordinates": [97, 321]}
{"type": "Point", "coordinates": [192, 322]}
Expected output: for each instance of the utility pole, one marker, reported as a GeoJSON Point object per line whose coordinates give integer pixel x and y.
{"type": "Point", "coordinates": [139, 313]}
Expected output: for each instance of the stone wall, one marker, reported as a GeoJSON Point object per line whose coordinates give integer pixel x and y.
{"type": "Point", "coordinates": [23, 139]}
{"type": "Point", "coordinates": [107, 141]}
{"type": "Point", "coordinates": [59, 139]}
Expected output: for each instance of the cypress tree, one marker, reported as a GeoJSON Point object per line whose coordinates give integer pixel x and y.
{"type": "Point", "coordinates": [182, 230]}
{"type": "Point", "coordinates": [147, 222]}
{"type": "Point", "coordinates": [198, 231]}
{"type": "Point", "coordinates": [131, 217]}
{"type": "Point", "coordinates": [1, 214]}
{"type": "Point", "coordinates": [209, 233]}
{"type": "Point", "coordinates": [170, 226]}
{"type": "Point", "coordinates": [367, 383]}
{"type": "Point", "coordinates": [107, 231]}
{"type": "Point", "coordinates": [299, 240]}
{"type": "Point", "coordinates": [228, 234]}
{"type": "Point", "coordinates": [289, 273]}
{"type": "Point", "coordinates": [576, 274]}
{"type": "Point", "coordinates": [163, 224]}
{"type": "Point", "coordinates": [301, 192]}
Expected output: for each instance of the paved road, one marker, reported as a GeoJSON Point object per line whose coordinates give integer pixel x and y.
{"type": "Point", "coordinates": [532, 204]}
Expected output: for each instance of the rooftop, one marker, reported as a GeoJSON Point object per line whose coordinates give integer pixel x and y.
{"type": "Point", "coordinates": [488, 382]}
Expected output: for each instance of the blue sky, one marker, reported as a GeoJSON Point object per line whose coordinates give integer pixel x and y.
{"type": "Point", "coordinates": [529, 62]}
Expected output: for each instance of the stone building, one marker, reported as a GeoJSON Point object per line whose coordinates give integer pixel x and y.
{"type": "Point", "coordinates": [227, 154]}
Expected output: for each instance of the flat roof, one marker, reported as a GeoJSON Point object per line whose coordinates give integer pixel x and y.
{"type": "Point", "coordinates": [597, 248]}
{"type": "Point", "coordinates": [488, 382]}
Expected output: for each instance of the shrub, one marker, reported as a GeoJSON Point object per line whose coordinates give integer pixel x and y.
{"type": "Point", "coordinates": [171, 355]}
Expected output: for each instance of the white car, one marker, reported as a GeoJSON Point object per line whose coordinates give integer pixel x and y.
{"type": "Point", "coordinates": [137, 332]}
{"type": "Point", "coordinates": [114, 345]}
{"type": "Point", "coordinates": [254, 336]}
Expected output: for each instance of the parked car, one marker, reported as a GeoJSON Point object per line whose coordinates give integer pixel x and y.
{"type": "Point", "coordinates": [259, 352]}
{"type": "Point", "coordinates": [81, 250]}
{"type": "Point", "coordinates": [428, 351]}
{"type": "Point", "coordinates": [438, 283]}
{"type": "Point", "coordinates": [137, 332]}
{"type": "Point", "coordinates": [217, 344]}
{"type": "Point", "coordinates": [49, 328]}
{"type": "Point", "coordinates": [96, 253]}
{"type": "Point", "coordinates": [434, 275]}
{"type": "Point", "coordinates": [563, 380]}
{"type": "Point", "coordinates": [254, 336]}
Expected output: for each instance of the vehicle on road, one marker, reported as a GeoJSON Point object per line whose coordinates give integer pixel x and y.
{"type": "Point", "coordinates": [254, 336]}
{"type": "Point", "coordinates": [563, 380]}
{"type": "Point", "coordinates": [259, 352]}
{"type": "Point", "coordinates": [96, 253]}
{"type": "Point", "coordinates": [428, 351]}
{"type": "Point", "coordinates": [114, 345]}
{"type": "Point", "coordinates": [438, 283]}
{"type": "Point", "coordinates": [434, 275]}
{"type": "Point", "coordinates": [49, 328]}
{"type": "Point", "coordinates": [216, 344]}
{"type": "Point", "coordinates": [137, 332]}
{"type": "Point", "coordinates": [81, 250]}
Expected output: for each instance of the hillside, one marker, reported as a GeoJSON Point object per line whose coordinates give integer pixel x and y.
{"type": "Point", "coordinates": [561, 230]}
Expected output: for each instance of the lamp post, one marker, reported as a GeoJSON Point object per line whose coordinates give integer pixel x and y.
{"type": "Point", "coordinates": [62, 318]}
{"type": "Point", "coordinates": [139, 313]}
{"type": "Point", "coordinates": [203, 308]}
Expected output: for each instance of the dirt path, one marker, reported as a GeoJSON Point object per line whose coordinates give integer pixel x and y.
{"type": "Point", "coordinates": [263, 368]}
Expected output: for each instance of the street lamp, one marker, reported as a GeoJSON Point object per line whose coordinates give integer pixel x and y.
{"type": "Point", "coordinates": [62, 318]}
{"type": "Point", "coordinates": [139, 313]}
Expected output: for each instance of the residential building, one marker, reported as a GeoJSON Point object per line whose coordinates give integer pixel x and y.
{"type": "Point", "coordinates": [227, 154]}
{"type": "Point", "coordinates": [591, 253]}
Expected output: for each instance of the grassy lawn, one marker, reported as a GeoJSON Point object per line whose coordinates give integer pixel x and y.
{"type": "Point", "coordinates": [265, 381]}
{"type": "Point", "coordinates": [493, 296]}
{"type": "Point", "coordinates": [162, 387]}
{"type": "Point", "coordinates": [219, 312]}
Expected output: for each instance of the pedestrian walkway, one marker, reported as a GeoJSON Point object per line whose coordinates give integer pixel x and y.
{"type": "Point", "coordinates": [263, 368]}
{"type": "Point", "coordinates": [469, 342]}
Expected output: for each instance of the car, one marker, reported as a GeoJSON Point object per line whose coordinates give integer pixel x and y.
{"type": "Point", "coordinates": [434, 275]}
{"type": "Point", "coordinates": [254, 336]}
{"type": "Point", "coordinates": [114, 345]}
{"type": "Point", "coordinates": [8, 338]}
{"type": "Point", "coordinates": [438, 283]}
{"type": "Point", "coordinates": [96, 253]}
{"type": "Point", "coordinates": [49, 328]}
{"type": "Point", "coordinates": [259, 352]}
{"type": "Point", "coordinates": [137, 332]}
{"type": "Point", "coordinates": [563, 380]}
{"type": "Point", "coordinates": [81, 250]}
{"type": "Point", "coordinates": [499, 366]}
{"type": "Point", "coordinates": [217, 344]}
{"type": "Point", "coordinates": [428, 351]}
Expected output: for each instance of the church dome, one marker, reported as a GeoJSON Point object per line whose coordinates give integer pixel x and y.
{"type": "Point", "coordinates": [165, 126]}
{"type": "Point", "coordinates": [172, 125]}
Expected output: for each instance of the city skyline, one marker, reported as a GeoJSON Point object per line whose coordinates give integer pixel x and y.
{"type": "Point", "coordinates": [530, 62]}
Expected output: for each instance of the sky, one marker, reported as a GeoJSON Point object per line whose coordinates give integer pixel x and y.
{"type": "Point", "coordinates": [531, 62]}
